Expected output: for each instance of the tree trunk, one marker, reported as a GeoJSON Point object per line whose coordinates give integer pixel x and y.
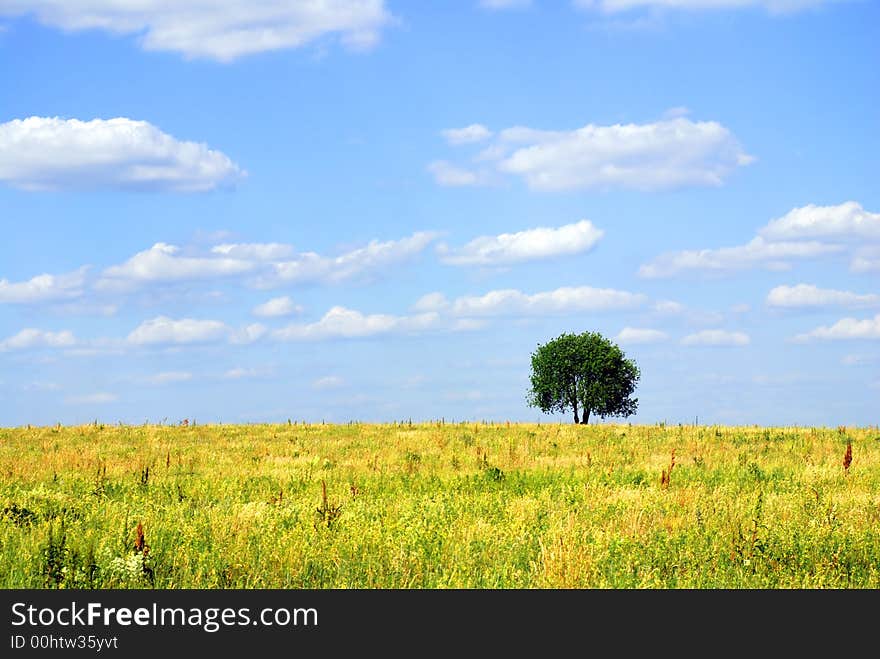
{"type": "Point", "coordinates": [586, 418]}
{"type": "Point", "coordinates": [574, 406]}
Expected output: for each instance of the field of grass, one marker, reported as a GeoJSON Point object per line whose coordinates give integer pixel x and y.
{"type": "Point", "coordinates": [439, 505]}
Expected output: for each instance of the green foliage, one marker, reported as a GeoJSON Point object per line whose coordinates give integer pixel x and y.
{"type": "Point", "coordinates": [585, 373]}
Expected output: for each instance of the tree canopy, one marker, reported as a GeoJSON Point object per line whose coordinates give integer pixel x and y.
{"type": "Point", "coordinates": [585, 373]}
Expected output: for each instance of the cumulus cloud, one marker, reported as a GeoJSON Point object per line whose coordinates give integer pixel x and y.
{"type": "Point", "coordinates": [340, 322]}
{"type": "Point", "coordinates": [635, 335]}
{"type": "Point", "coordinates": [44, 288]}
{"type": "Point", "coordinates": [51, 153]}
{"type": "Point", "coordinates": [528, 245]}
{"type": "Point", "coordinates": [165, 330]}
{"type": "Point", "coordinates": [844, 329]}
{"type": "Point", "coordinates": [807, 295]}
{"type": "Point", "coordinates": [162, 263]}
{"type": "Point", "coordinates": [34, 338]}
{"type": "Point", "coordinates": [716, 338]}
{"type": "Point", "coordinates": [431, 302]}
{"type": "Point", "coordinates": [365, 261]}
{"type": "Point", "coordinates": [221, 30]}
{"type": "Point", "coordinates": [276, 307]}
{"type": "Point", "coordinates": [559, 301]}
{"type": "Point", "coordinates": [467, 135]}
{"type": "Point", "coordinates": [757, 252]}
{"type": "Point", "coordinates": [792, 236]}
{"type": "Point", "coordinates": [670, 153]}
{"type": "Point", "coordinates": [847, 220]}
{"type": "Point", "coordinates": [254, 251]}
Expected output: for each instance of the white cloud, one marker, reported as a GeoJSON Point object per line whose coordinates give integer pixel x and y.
{"type": "Point", "coordinates": [716, 338]}
{"type": "Point", "coordinates": [757, 252]}
{"type": "Point", "coordinates": [328, 382]}
{"type": "Point", "coordinates": [772, 6]}
{"type": "Point", "coordinates": [807, 295]}
{"type": "Point", "coordinates": [340, 322]}
{"type": "Point", "coordinates": [168, 377]}
{"type": "Point", "coordinates": [847, 220]}
{"type": "Point", "coordinates": [276, 307]}
{"type": "Point", "coordinates": [162, 329]}
{"type": "Point", "coordinates": [467, 135]}
{"type": "Point", "coordinates": [528, 245]}
{"type": "Point", "coordinates": [35, 338]}
{"type": "Point", "coordinates": [667, 154]}
{"type": "Point", "coordinates": [161, 263]}
{"type": "Point", "coordinates": [843, 329]}
{"type": "Point", "coordinates": [44, 287]}
{"type": "Point", "coordinates": [560, 301]}
{"type": "Point", "coordinates": [92, 399]}
{"type": "Point", "coordinates": [254, 251]}
{"type": "Point", "coordinates": [49, 153]}
{"type": "Point", "coordinates": [221, 29]}
{"type": "Point", "coordinates": [364, 261]}
{"type": "Point", "coordinates": [448, 175]}
{"type": "Point", "coordinates": [634, 335]}
{"type": "Point", "coordinates": [431, 302]}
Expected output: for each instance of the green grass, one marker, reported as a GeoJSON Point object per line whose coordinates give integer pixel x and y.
{"type": "Point", "coordinates": [438, 505]}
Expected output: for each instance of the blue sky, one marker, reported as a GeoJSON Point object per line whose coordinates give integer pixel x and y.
{"type": "Point", "coordinates": [376, 210]}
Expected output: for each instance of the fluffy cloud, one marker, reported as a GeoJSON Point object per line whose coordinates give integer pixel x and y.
{"type": "Point", "coordinates": [847, 220]}
{"type": "Point", "coordinates": [757, 252]}
{"type": "Point", "coordinates": [528, 245]}
{"type": "Point", "coordinates": [279, 306]}
{"type": "Point", "coordinates": [843, 329]}
{"type": "Point", "coordinates": [44, 287]}
{"type": "Point", "coordinates": [254, 251]}
{"type": "Point", "coordinates": [364, 261]}
{"type": "Point", "coordinates": [45, 153]}
{"type": "Point", "coordinates": [340, 322]}
{"type": "Point", "coordinates": [35, 338]}
{"type": "Point", "coordinates": [221, 30]}
{"type": "Point", "coordinates": [161, 263]}
{"type": "Point", "coordinates": [634, 335]}
{"type": "Point", "coordinates": [560, 301]}
{"type": "Point", "coordinates": [467, 135]}
{"type": "Point", "coordinates": [161, 330]}
{"type": "Point", "coordinates": [671, 153]}
{"type": "Point", "coordinates": [792, 236]}
{"type": "Point", "coordinates": [716, 338]}
{"type": "Point", "coordinates": [807, 295]}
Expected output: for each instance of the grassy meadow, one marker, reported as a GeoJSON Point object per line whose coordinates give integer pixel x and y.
{"type": "Point", "coordinates": [439, 505]}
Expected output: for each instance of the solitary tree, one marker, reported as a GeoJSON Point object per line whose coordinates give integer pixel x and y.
{"type": "Point", "coordinates": [585, 372]}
